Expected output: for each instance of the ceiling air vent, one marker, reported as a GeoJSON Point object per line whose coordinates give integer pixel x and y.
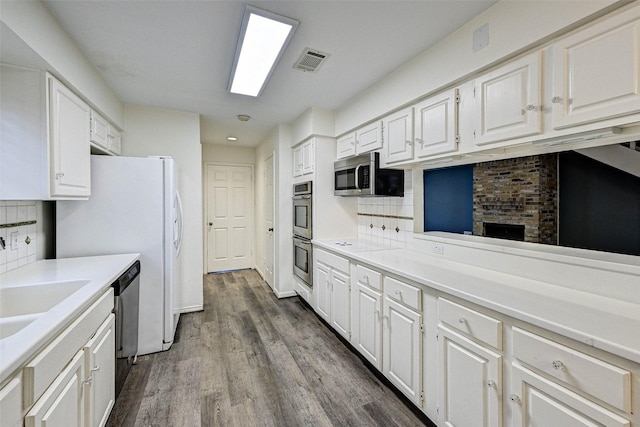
{"type": "Point", "coordinates": [310, 60]}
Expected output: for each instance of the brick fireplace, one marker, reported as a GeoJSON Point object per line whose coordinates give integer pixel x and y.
{"type": "Point", "coordinates": [512, 194]}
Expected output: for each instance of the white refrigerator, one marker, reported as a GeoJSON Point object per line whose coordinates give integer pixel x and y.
{"type": "Point", "coordinates": [134, 207]}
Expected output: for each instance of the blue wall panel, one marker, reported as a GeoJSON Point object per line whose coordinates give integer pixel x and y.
{"type": "Point", "coordinates": [448, 199]}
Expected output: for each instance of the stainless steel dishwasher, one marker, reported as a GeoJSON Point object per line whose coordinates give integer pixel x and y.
{"type": "Point", "coordinates": [126, 308]}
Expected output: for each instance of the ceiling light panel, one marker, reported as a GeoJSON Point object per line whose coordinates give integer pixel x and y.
{"type": "Point", "coordinates": [263, 38]}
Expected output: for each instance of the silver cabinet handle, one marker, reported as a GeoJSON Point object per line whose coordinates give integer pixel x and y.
{"type": "Point", "coordinates": [419, 141]}
{"type": "Point", "coordinates": [491, 384]}
{"type": "Point", "coordinates": [515, 398]}
{"type": "Point", "coordinates": [531, 107]}
{"type": "Point", "coordinates": [558, 365]}
{"type": "Point", "coordinates": [59, 175]}
{"type": "Point", "coordinates": [556, 100]}
{"type": "Point", "coordinates": [462, 321]}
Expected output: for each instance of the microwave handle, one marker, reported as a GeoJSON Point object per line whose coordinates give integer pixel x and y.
{"type": "Point", "coordinates": [357, 175]}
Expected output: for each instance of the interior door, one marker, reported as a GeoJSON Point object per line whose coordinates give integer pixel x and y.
{"type": "Point", "coordinates": [229, 217]}
{"type": "Point", "coordinates": [269, 247]}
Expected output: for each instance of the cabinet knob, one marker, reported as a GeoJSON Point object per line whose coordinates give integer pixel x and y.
{"type": "Point", "coordinates": [462, 321]}
{"type": "Point", "coordinates": [59, 175]}
{"type": "Point", "coordinates": [531, 107]}
{"type": "Point", "coordinates": [491, 384]}
{"type": "Point", "coordinates": [515, 398]}
{"type": "Point", "coordinates": [558, 365]}
{"type": "Point", "coordinates": [556, 100]}
{"type": "Point", "coordinates": [210, 224]}
{"type": "Point", "coordinates": [419, 141]}
{"type": "Point", "coordinates": [270, 229]}
{"type": "Point", "coordinates": [409, 142]}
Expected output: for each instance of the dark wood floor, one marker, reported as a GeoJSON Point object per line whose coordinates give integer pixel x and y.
{"type": "Point", "coordinates": [250, 359]}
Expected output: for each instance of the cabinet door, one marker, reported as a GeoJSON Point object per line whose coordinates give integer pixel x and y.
{"type": "Point", "coordinates": [70, 151]}
{"type": "Point", "coordinates": [436, 124]}
{"type": "Point", "coordinates": [398, 136]}
{"type": "Point", "coordinates": [308, 157]}
{"type": "Point", "coordinates": [509, 101]}
{"type": "Point", "coordinates": [322, 287]}
{"type": "Point", "coordinates": [346, 146]}
{"type": "Point", "coordinates": [341, 303]}
{"type": "Point", "coordinates": [62, 404]}
{"type": "Point", "coordinates": [470, 382]}
{"type": "Point", "coordinates": [537, 401]}
{"type": "Point", "coordinates": [100, 370]}
{"type": "Point", "coordinates": [596, 72]}
{"type": "Point", "coordinates": [115, 141]}
{"type": "Point", "coordinates": [402, 349]}
{"type": "Point", "coordinates": [297, 161]}
{"type": "Point", "coordinates": [366, 336]}
{"type": "Point", "coordinates": [369, 138]}
{"type": "Point", "coordinates": [11, 403]}
{"type": "Point", "coordinates": [99, 130]}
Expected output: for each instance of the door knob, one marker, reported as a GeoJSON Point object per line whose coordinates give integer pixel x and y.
{"type": "Point", "coordinates": [210, 224]}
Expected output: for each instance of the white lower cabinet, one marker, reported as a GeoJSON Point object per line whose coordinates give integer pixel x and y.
{"type": "Point", "coordinates": [71, 382]}
{"type": "Point", "coordinates": [366, 311]}
{"type": "Point", "coordinates": [402, 338]}
{"type": "Point", "coordinates": [470, 382]}
{"type": "Point", "coordinates": [100, 374]}
{"type": "Point", "coordinates": [332, 285]}
{"type": "Point", "coordinates": [61, 405]}
{"type": "Point", "coordinates": [11, 403]}
{"type": "Point", "coordinates": [537, 401]}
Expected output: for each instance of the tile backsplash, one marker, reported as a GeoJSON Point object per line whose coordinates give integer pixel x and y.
{"type": "Point", "coordinates": [18, 219]}
{"type": "Point", "coordinates": [388, 220]}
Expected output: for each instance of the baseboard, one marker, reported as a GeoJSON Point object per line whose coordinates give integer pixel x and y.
{"type": "Point", "coordinates": [192, 308]}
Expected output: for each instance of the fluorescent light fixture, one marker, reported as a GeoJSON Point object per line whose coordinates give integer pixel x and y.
{"type": "Point", "coordinates": [263, 39]}
{"type": "Point", "coordinates": [232, 138]}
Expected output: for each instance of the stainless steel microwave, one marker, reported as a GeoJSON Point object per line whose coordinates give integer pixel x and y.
{"type": "Point", "coordinates": [362, 176]}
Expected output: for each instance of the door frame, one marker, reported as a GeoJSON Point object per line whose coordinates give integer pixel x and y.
{"type": "Point", "coordinates": [205, 210]}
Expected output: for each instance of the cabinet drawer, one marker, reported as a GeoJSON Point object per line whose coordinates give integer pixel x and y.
{"type": "Point", "coordinates": [334, 261]}
{"type": "Point", "coordinates": [404, 293]}
{"type": "Point", "coordinates": [369, 277]}
{"type": "Point", "coordinates": [46, 366]}
{"type": "Point", "coordinates": [470, 322]}
{"type": "Point", "coordinates": [585, 373]}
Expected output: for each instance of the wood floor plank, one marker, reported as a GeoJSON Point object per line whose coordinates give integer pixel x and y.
{"type": "Point", "coordinates": [251, 359]}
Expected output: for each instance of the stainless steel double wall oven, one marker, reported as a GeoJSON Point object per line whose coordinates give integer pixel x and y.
{"type": "Point", "coordinates": [302, 231]}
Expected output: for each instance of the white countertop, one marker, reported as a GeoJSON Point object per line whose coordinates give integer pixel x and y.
{"type": "Point", "coordinates": [98, 271]}
{"type": "Point", "coordinates": [610, 324]}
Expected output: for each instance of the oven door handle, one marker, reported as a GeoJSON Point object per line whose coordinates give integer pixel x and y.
{"type": "Point", "coordinates": [357, 179]}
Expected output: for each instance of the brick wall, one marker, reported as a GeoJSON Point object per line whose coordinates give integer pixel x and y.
{"type": "Point", "coordinates": [521, 191]}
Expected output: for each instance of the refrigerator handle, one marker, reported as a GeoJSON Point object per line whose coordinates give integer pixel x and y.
{"type": "Point", "coordinates": [178, 229]}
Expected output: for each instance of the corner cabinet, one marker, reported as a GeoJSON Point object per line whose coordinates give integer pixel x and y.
{"type": "Point", "coordinates": [70, 152]}
{"type": "Point", "coordinates": [509, 101]}
{"type": "Point", "coordinates": [596, 72]}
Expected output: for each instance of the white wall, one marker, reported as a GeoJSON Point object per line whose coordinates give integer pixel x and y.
{"type": "Point", "coordinates": [228, 154]}
{"type": "Point", "coordinates": [514, 26]}
{"type": "Point", "coordinates": [32, 22]}
{"type": "Point", "coordinates": [152, 132]}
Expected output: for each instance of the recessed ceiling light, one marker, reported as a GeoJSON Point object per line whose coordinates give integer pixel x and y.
{"type": "Point", "coordinates": [232, 138]}
{"type": "Point", "coordinates": [243, 117]}
{"type": "Point", "coordinates": [263, 38]}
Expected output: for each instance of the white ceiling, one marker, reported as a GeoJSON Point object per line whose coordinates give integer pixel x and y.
{"type": "Point", "coordinates": [178, 54]}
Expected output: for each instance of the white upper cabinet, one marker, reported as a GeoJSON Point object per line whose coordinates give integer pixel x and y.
{"type": "Point", "coordinates": [69, 129]}
{"type": "Point", "coordinates": [509, 101]}
{"type": "Point", "coordinates": [596, 72]}
{"type": "Point", "coordinates": [99, 130]}
{"type": "Point", "coordinates": [304, 158]}
{"type": "Point", "coordinates": [367, 138]}
{"type": "Point", "coordinates": [436, 124]}
{"type": "Point", "coordinates": [346, 146]}
{"type": "Point", "coordinates": [398, 136]}
{"type": "Point", "coordinates": [115, 140]}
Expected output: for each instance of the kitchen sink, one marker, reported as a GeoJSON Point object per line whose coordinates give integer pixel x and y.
{"type": "Point", "coordinates": [13, 324]}
{"type": "Point", "coordinates": [35, 298]}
